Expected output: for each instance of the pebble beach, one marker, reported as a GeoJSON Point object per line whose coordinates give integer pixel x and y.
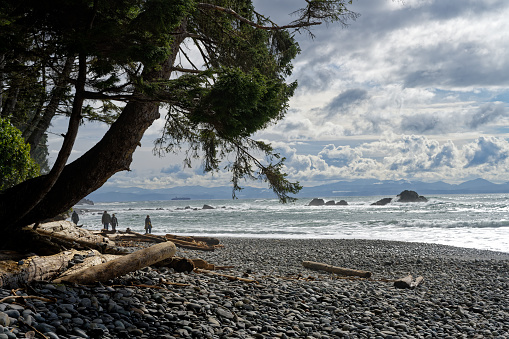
{"type": "Point", "coordinates": [464, 294]}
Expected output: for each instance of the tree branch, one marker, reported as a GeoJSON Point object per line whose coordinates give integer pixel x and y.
{"type": "Point", "coordinates": [254, 24]}
{"type": "Point", "coordinates": [186, 70]}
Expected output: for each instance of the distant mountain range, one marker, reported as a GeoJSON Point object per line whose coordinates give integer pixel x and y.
{"type": "Point", "coordinates": [361, 187]}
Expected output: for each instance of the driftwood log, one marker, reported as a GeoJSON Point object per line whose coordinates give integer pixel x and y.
{"type": "Point", "coordinates": [190, 243]}
{"type": "Point", "coordinates": [16, 273]}
{"type": "Point", "coordinates": [76, 243]}
{"type": "Point", "coordinates": [406, 282]}
{"type": "Point", "coordinates": [193, 243]}
{"type": "Point", "coordinates": [229, 277]}
{"type": "Point", "coordinates": [122, 265]}
{"type": "Point", "coordinates": [334, 269]}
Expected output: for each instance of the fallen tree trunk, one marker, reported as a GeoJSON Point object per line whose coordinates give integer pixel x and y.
{"type": "Point", "coordinates": [14, 274]}
{"type": "Point", "coordinates": [207, 240]}
{"type": "Point", "coordinates": [192, 245]}
{"type": "Point", "coordinates": [76, 243]}
{"type": "Point", "coordinates": [334, 269]}
{"type": "Point", "coordinates": [122, 265]}
{"type": "Point", "coordinates": [199, 239]}
{"type": "Point", "coordinates": [135, 236]}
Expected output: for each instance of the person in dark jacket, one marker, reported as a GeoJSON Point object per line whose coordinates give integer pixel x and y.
{"type": "Point", "coordinates": [114, 222]}
{"type": "Point", "coordinates": [75, 218]}
{"type": "Point", "coordinates": [106, 220]}
{"type": "Point", "coordinates": [148, 225]}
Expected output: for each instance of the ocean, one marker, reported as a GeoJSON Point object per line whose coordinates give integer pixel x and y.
{"type": "Point", "coordinates": [472, 221]}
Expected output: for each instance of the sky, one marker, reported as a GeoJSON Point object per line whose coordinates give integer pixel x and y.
{"type": "Point", "coordinates": [411, 90]}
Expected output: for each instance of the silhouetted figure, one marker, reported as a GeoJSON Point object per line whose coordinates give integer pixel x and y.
{"type": "Point", "coordinates": [75, 218]}
{"type": "Point", "coordinates": [106, 220]}
{"type": "Point", "coordinates": [114, 222]}
{"type": "Point", "coordinates": [148, 225]}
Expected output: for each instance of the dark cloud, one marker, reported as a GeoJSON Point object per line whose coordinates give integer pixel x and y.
{"type": "Point", "coordinates": [420, 123]}
{"type": "Point", "coordinates": [315, 80]}
{"type": "Point", "coordinates": [487, 113]}
{"type": "Point", "coordinates": [344, 101]}
{"type": "Point", "coordinates": [463, 64]}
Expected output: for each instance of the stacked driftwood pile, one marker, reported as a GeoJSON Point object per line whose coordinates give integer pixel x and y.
{"type": "Point", "coordinates": [89, 257]}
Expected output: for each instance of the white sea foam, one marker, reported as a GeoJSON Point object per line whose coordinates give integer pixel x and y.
{"type": "Point", "coordinates": [476, 221]}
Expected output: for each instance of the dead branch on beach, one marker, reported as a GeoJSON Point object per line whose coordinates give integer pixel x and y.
{"type": "Point", "coordinates": [193, 243]}
{"type": "Point", "coordinates": [334, 269]}
{"type": "Point", "coordinates": [24, 297]}
{"type": "Point", "coordinates": [229, 277]}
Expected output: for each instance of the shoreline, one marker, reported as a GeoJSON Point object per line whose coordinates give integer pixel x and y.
{"type": "Point", "coordinates": [465, 294]}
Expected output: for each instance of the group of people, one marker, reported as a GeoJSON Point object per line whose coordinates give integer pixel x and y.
{"type": "Point", "coordinates": [107, 220]}
{"type": "Point", "coordinates": [112, 220]}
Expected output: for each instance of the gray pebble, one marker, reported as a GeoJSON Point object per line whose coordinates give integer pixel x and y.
{"type": "Point", "coordinates": [287, 300]}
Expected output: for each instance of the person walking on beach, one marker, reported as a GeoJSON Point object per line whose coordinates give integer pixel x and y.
{"type": "Point", "coordinates": [114, 222]}
{"type": "Point", "coordinates": [75, 218]}
{"type": "Point", "coordinates": [148, 225]}
{"type": "Point", "coordinates": [106, 220]}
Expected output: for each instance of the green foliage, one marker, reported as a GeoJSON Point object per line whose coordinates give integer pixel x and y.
{"type": "Point", "coordinates": [239, 104]}
{"type": "Point", "coordinates": [41, 154]}
{"type": "Point", "coordinates": [231, 85]}
{"type": "Point", "coordinates": [240, 90]}
{"type": "Point", "coordinates": [15, 162]}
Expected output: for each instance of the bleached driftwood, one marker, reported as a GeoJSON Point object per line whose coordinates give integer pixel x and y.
{"type": "Point", "coordinates": [406, 282]}
{"type": "Point", "coordinates": [206, 244]}
{"type": "Point", "coordinates": [16, 273]}
{"type": "Point", "coordinates": [334, 269]}
{"type": "Point", "coordinates": [190, 243]}
{"type": "Point", "coordinates": [69, 235]}
{"type": "Point", "coordinates": [122, 265]}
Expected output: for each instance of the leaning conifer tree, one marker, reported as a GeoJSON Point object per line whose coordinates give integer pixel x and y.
{"type": "Point", "coordinates": [218, 67]}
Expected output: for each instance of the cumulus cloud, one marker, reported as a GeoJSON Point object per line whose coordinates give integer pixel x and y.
{"type": "Point", "coordinates": [487, 151]}
{"type": "Point", "coordinates": [403, 157]}
{"type": "Point", "coordinates": [403, 93]}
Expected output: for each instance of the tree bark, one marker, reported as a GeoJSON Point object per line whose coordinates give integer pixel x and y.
{"type": "Point", "coordinates": [14, 274]}
{"type": "Point", "coordinates": [122, 265]}
{"type": "Point", "coordinates": [39, 127]}
{"type": "Point", "coordinates": [334, 269]}
{"type": "Point", "coordinates": [86, 174]}
{"type": "Point", "coordinates": [32, 198]}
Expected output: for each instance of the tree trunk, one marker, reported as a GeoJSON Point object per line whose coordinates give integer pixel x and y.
{"type": "Point", "coordinates": [86, 174]}
{"type": "Point", "coordinates": [334, 269]}
{"type": "Point", "coordinates": [38, 128]}
{"type": "Point", "coordinates": [122, 265]}
{"type": "Point", "coordinates": [31, 199]}
{"type": "Point", "coordinates": [14, 274]}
